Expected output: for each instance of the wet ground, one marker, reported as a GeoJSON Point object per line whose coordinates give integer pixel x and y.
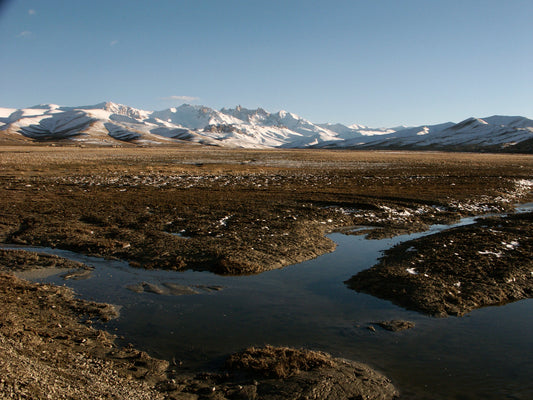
{"type": "Point", "coordinates": [239, 212]}
{"type": "Point", "coordinates": [234, 211]}
{"type": "Point", "coordinates": [452, 273]}
{"type": "Point", "coordinates": [308, 305]}
{"type": "Point", "coordinates": [47, 353]}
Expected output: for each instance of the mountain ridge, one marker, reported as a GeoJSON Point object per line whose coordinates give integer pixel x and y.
{"type": "Point", "coordinates": [109, 123]}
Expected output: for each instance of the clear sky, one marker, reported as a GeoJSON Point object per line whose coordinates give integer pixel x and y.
{"type": "Point", "coordinates": [373, 62]}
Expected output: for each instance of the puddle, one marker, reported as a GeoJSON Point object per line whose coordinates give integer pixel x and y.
{"type": "Point", "coordinates": [486, 354]}
{"type": "Point", "coordinates": [182, 234]}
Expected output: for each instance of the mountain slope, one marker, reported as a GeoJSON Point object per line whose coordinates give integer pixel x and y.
{"type": "Point", "coordinates": [109, 123]}
{"type": "Point", "coordinates": [497, 133]}
{"type": "Point", "coordinates": [355, 130]}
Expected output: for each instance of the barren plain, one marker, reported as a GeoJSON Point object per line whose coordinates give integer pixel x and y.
{"type": "Point", "coordinates": [232, 212]}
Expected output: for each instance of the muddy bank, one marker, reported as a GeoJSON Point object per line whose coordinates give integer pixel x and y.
{"type": "Point", "coordinates": [20, 260]}
{"type": "Point", "coordinates": [50, 350]}
{"type": "Point", "coordinates": [46, 353]}
{"type": "Point", "coordinates": [284, 373]}
{"type": "Point", "coordinates": [458, 270]}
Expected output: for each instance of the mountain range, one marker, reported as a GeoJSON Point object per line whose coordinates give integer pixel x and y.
{"type": "Point", "coordinates": [110, 124]}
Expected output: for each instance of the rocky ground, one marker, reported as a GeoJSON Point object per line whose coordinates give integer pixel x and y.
{"type": "Point", "coordinates": [231, 212]}
{"type": "Point", "coordinates": [458, 270]}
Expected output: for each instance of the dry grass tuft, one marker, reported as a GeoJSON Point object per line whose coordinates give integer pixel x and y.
{"type": "Point", "coordinates": [279, 362]}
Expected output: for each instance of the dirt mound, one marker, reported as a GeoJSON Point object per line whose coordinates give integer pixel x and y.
{"type": "Point", "coordinates": [276, 373]}
{"type": "Point", "coordinates": [458, 270]}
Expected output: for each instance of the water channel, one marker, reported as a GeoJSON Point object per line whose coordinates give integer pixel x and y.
{"type": "Point", "coordinates": [487, 354]}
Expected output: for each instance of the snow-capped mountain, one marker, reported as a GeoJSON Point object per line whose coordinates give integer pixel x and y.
{"type": "Point", "coordinates": [192, 117]}
{"type": "Point", "coordinates": [105, 123]}
{"type": "Point", "coordinates": [496, 133]}
{"type": "Point", "coordinates": [110, 123]}
{"type": "Point", "coordinates": [355, 130]}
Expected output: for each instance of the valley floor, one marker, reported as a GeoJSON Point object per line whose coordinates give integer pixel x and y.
{"type": "Point", "coordinates": [226, 211]}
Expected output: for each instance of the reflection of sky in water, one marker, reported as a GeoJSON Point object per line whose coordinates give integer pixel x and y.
{"type": "Point", "coordinates": [486, 354]}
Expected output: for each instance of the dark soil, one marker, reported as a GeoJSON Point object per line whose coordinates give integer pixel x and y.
{"type": "Point", "coordinates": [19, 260]}
{"type": "Point", "coordinates": [278, 362]}
{"type": "Point", "coordinates": [458, 270]}
{"type": "Point", "coordinates": [236, 211]}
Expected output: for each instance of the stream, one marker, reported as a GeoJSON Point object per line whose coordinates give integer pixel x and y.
{"type": "Point", "coordinates": [485, 354]}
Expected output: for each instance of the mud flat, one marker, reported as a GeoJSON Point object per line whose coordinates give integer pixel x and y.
{"type": "Point", "coordinates": [49, 348]}
{"type": "Point", "coordinates": [458, 270]}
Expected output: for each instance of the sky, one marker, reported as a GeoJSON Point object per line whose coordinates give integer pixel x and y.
{"type": "Point", "coordinates": [380, 63]}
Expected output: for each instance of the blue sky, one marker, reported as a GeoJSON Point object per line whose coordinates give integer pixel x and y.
{"type": "Point", "coordinates": [374, 62]}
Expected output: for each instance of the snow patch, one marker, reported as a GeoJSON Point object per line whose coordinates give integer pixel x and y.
{"type": "Point", "coordinates": [224, 220]}
{"type": "Point", "coordinates": [498, 255]}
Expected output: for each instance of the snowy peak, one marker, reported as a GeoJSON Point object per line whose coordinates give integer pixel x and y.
{"type": "Point", "coordinates": [469, 124]}
{"type": "Point", "coordinates": [46, 107]}
{"type": "Point", "coordinates": [256, 116]}
{"type": "Point", "coordinates": [489, 125]}
{"type": "Point", "coordinates": [118, 109]}
{"type": "Point", "coordinates": [512, 121]}
{"type": "Point", "coordinates": [193, 117]}
{"type": "Point", "coordinates": [355, 130]}
{"type": "Point", "coordinates": [110, 123]}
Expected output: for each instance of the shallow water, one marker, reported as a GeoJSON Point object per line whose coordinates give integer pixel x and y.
{"type": "Point", "coordinates": [486, 354]}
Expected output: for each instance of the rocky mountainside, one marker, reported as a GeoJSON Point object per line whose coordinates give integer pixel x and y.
{"type": "Point", "coordinates": [110, 123]}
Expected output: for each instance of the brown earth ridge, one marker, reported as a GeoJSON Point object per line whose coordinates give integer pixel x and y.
{"type": "Point", "coordinates": [458, 270]}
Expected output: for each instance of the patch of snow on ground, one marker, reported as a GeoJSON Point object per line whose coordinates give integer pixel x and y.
{"type": "Point", "coordinates": [498, 255]}
{"type": "Point", "coordinates": [224, 220]}
{"type": "Point", "coordinates": [487, 204]}
{"type": "Point", "coordinates": [511, 246]}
